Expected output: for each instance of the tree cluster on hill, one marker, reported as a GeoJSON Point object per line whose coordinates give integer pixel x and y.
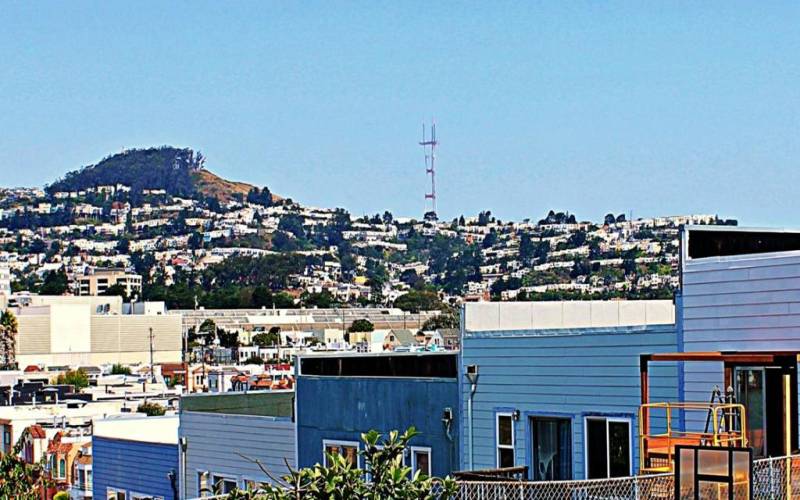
{"type": "Point", "coordinates": [419, 300]}
{"type": "Point", "coordinates": [260, 196]}
{"type": "Point", "coordinates": [558, 218]}
{"type": "Point", "coordinates": [165, 168]}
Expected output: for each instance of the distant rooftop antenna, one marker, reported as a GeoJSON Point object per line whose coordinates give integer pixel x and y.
{"type": "Point", "coordinates": [429, 147]}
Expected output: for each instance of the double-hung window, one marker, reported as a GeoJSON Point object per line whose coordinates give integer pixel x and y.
{"type": "Point", "coordinates": [224, 484]}
{"type": "Point", "coordinates": [421, 460]}
{"type": "Point", "coordinates": [347, 449]}
{"type": "Point", "coordinates": [608, 447]}
{"type": "Point", "coordinates": [504, 430]}
{"type": "Point", "coordinates": [115, 494]}
{"type": "Point", "coordinates": [254, 485]}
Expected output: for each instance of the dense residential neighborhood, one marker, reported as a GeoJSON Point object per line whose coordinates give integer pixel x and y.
{"type": "Point", "coordinates": [191, 336]}
{"type": "Point", "coordinates": [429, 251]}
{"type": "Point", "coordinates": [220, 246]}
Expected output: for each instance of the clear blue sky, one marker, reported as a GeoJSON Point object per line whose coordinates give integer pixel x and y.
{"type": "Point", "coordinates": [659, 108]}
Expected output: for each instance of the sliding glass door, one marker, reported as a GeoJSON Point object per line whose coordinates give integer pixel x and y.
{"type": "Point", "coordinates": [552, 448]}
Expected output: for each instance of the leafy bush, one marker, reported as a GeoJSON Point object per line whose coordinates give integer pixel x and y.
{"type": "Point", "coordinates": [254, 360]}
{"type": "Point", "coordinates": [20, 480]}
{"type": "Point", "coordinates": [118, 369]}
{"type": "Point", "coordinates": [151, 409]}
{"type": "Point", "coordinates": [388, 476]}
{"type": "Point", "coordinates": [76, 378]}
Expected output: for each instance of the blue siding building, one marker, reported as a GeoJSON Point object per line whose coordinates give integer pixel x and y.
{"type": "Point", "coordinates": [136, 457]}
{"type": "Point", "coordinates": [740, 294]}
{"type": "Point", "coordinates": [225, 433]}
{"type": "Point", "coordinates": [558, 384]}
{"type": "Point", "coordinates": [340, 397]}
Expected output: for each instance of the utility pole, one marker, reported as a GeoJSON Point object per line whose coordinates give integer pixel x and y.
{"type": "Point", "coordinates": [152, 370]}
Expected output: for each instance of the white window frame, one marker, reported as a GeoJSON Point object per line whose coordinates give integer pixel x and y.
{"type": "Point", "coordinates": [423, 449]}
{"type": "Point", "coordinates": [115, 492]}
{"type": "Point", "coordinates": [326, 443]}
{"type": "Point", "coordinates": [608, 419]}
{"type": "Point", "coordinates": [257, 482]}
{"type": "Point", "coordinates": [215, 476]}
{"type": "Point", "coordinates": [497, 445]}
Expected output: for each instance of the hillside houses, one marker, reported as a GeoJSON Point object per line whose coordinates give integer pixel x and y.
{"type": "Point", "coordinates": [357, 260]}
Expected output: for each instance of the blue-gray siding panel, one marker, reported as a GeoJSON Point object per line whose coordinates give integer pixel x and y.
{"type": "Point", "coordinates": [744, 304]}
{"type": "Point", "coordinates": [228, 444]}
{"type": "Point", "coordinates": [133, 466]}
{"type": "Point", "coordinates": [341, 408]}
{"type": "Point", "coordinates": [583, 373]}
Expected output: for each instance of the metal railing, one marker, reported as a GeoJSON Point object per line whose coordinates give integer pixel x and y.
{"type": "Point", "coordinates": [726, 425]}
{"type": "Point", "coordinates": [773, 479]}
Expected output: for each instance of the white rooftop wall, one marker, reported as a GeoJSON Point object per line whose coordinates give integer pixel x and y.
{"type": "Point", "coordinates": [491, 316]}
{"type": "Point", "coordinates": [144, 429]}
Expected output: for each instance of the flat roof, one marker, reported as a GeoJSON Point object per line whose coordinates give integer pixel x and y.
{"type": "Point", "coordinates": [566, 315]}
{"type": "Point", "coordinates": [160, 430]}
{"type": "Point", "coordinates": [279, 403]}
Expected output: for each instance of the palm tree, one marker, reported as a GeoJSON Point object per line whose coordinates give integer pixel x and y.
{"type": "Point", "coordinates": [8, 339]}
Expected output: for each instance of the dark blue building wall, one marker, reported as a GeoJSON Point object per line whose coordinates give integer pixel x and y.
{"type": "Point", "coordinates": [133, 466]}
{"type": "Point", "coordinates": [341, 408]}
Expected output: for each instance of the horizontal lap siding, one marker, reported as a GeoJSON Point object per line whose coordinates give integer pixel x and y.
{"type": "Point", "coordinates": [341, 408]}
{"type": "Point", "coordinates": [229, 445]}
{"type": "Point", "coordinates": [571, 376]}
{"type": "Point", "coordinates": [747, 304]}
{"type": "Point", "coordinates": [133, 466]}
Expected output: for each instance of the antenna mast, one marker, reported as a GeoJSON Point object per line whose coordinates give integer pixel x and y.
{"type": "Point", "coordinates": [430, 166]}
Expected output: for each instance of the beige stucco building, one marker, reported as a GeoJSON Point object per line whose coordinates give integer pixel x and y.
{"type": "Point", "coordinates": [98, 281]}
{"type": "Point", "coordinates": [58, 331]}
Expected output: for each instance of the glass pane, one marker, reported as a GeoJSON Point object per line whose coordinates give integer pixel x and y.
{"type": "Point", "coordinates": [619, 453]}
{"type": "Point", "coordinates": [504, 432]}
{"type": "Point", "coordinates": [712, 462]}
{"type": "Point", "coordinates": [506, 456]}
{"type": "Point", "coordinates": [351, 455]}
{"type": "Point", "coordinates": [422, 459]}
{"type": "Point", "coordinates": [552, 449]}
{"type": "Point", "coordinates": [750, 392]}
{"type": "Point", "coordinates": [686, 478]}
{"type": "Point", "coordinates": [597, 448]}
{"type": "Point", "coordinates": [712, 490]}
{"type": "Point", "coordinates": [741, 469]}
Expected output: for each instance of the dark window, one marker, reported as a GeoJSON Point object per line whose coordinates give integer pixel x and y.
{"type": "Point", "coordinates": [608, 448]}
{"type": "Point", "coordinates": [505, 440]}
{"type": "Point", "coordinates": [552, 448]}
{"type": "Point", "coordinates": [419, 366]}
{"type": "Point", "coordinates": [596, 449]}
{"type": "Point", "coordinates": [711, 243]}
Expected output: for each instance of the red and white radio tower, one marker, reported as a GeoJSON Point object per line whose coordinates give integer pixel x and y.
{"type": "Point", "coordinates": [429, 146]}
